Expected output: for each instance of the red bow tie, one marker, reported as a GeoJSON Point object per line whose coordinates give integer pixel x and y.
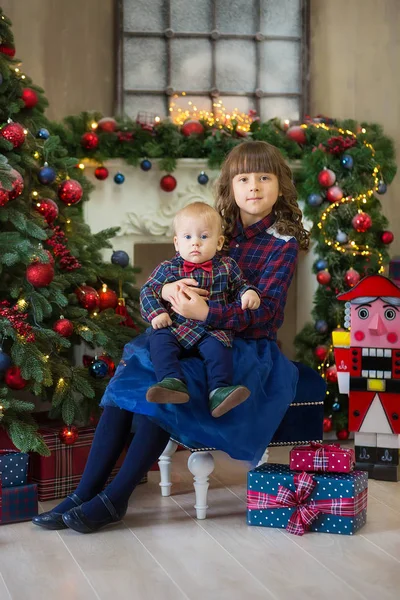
{"type": "Point", "coordinates": [188, 267]}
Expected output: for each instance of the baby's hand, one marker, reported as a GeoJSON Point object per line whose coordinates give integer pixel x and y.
{"type": "Point", "coordinates": [251, 300]}
{"type": "Point", "coordinates": [161, 321]}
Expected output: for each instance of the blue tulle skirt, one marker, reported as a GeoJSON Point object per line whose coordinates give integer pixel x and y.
{"type": "Point", "coordinates": [245, 431]}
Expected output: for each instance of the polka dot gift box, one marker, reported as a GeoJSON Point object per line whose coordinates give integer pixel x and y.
{"type": "Point", "coordinates": [13, 468]}
{"type": "Point", "coordinates": [301, 502]}
{"type": "Point", "coordinates": [315, 457]}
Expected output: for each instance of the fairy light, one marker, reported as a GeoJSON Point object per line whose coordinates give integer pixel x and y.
{"type": "Point", "coordinates": [16, 70]}
{"type": "Point", "coordinates": [94, 125]}
{"type": "Point", "coordinates": [104, 288]}
{"type": "Point", "coordinates": [35, 194]}
{"type": "Point", "coordinates": [36, 154]}
{"type": "Point", "coordinates": [81, 166]}
{"type": "Point", "coordinates": [157, 119]}
{"type": "Point", "coordinates": [22, 304]}
{"type": "Point", "coordinates": [220, 117]}
{"type": "Point", "coordinates": [26, 131]}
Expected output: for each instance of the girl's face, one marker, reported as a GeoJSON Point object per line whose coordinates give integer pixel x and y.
{"type": "Point", "coordinates": [255, 195]}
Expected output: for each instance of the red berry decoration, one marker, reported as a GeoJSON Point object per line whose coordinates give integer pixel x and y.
{"type": "Point", "coordinates": [108, 298]}
{"type": "Point", "coordinates": [324, 277]}
{"type": "Point", "coordinates": [68, 435]}
{"type": "Point", "coordinates": [326, 178]}
{"type": "Point", "coordinates": [7, 50]}
{"type": "Point", "coordinates": [343, 434]}
{"type": "Point", "coordinates": [63, 327]}
{"type": "Point", "coordinates": [40, 274]}
{"type": "Point", "coordinates": [101, 173]}
{"type": "Point", "coordinates": [327, 424]}
{"type": "Point", "coordinates": [48, 209]}
{"type": "Point", "coordinates": [30, 97]}
{"type": "Point", "coordinates": [70, 192]}
{"type": "Point", "coordinates": [320, 353]}
{"type": "Point", "coordinates": [125, 136]}
{"type": "Point", "coordinates": [168, 183]}
{"type": "Point", "coordinates": [192, 127]}
{"type": "Point", "coordinates": [90, 140]}
{"type": "Point", "coordinates": [361, 222]}
{"type": "Point", "coordinates": [352, 277]}
{"type": "Point", "coordinates": [17, 185]}
{"type": "Point", "coordinates": [331, 374]}
{"type": "Point", "coordinates": [387, 237]}
{"type": "Point", "coordinates": [297, 134]}
{"type": "Point", "coordinates": [14, 379]}
{"type": "Point", "coordinates": [107, 124]}
{"type": "Point", "coordinates": [14, 133]}
{"type": "Point", "coordinates": [334, 193]}
{"type": "Point", "coordinates": [88, 297]}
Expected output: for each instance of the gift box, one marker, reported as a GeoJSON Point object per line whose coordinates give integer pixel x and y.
{"type": "Point", "coordinates": [329, 503]}
{"type": "Point", "coordinates": [315, 457]}
{"type": "Point", "coordinates": [59, 474]}
{"type": "Point", "coordinates": [19, 503]}
{"type": "Point", "coordinates": [13, 468]}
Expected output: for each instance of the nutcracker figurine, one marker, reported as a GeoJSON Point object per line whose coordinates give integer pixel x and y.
{"type": "Point", "coordinates": [368, 365]}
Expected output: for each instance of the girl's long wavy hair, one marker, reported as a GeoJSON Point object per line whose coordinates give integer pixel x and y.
{"type": "Point", "coordinates": [260, 157]}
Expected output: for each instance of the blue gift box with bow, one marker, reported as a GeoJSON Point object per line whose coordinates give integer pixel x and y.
{"type": "Point", "coordinates": [300, 502]}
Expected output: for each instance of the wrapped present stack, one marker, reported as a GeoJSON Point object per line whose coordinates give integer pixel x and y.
{"type": "Point", "coordinates": [318, 492]}
{"type": "Point", "coordinates": [18, 499]}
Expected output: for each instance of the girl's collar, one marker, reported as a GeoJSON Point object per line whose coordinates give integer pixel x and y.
{"type": "Point", "coordinates": [254, 229]}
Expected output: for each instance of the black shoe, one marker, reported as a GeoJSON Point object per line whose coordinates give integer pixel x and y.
{"type": "Point", "coordinates": [52, 519]}
{"type": "Point", "coordinates": [77, 520]}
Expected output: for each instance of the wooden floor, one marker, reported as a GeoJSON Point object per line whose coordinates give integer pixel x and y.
{"type": "Point", "coordinates": [161, 551]}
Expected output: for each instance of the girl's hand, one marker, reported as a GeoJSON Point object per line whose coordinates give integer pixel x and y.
{"type": "Point", "coordinates": [169, 290]}
{"type": "Point", "coordinates": [251, 300]}
{"type": "Point", "coordinates": [188, 303]}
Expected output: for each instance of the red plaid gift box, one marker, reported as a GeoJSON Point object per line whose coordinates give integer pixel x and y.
{"type": "Point", "coordinates": [19, 503]}
{"type": "Point", "coordinates": [59, 474]}
{"type": "Point", "coordinates": [317, 457]}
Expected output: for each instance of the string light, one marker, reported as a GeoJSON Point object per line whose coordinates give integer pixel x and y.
{"type": "Point", "coordinates": [36, 154]}
{"type": "Point", "coordinates": [81, 166]}
{"type": "Point", "coordinates": [94, 125]}
{"type": "Point", "coordinates": [22, 304]}
{"type": "Point", "coordinates": [219, 117]}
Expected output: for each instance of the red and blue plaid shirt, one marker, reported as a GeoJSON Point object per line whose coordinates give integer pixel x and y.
{"type": "Point", "coordinates": [267, 260]}
{"type": "Point", "coordinates": [225, 283]}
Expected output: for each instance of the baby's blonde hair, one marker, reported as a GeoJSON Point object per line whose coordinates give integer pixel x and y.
{"type": "Point", "coordinates": [198, 210]}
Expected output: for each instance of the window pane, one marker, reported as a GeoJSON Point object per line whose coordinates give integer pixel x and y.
{"type": "Point", "coordinates": [241, 104]}
{"type": "Point", "coordinates": [237, 16]}
{"type": "Point", "coordinates": [133, 104]}
{"type": "Point", "coordinates": [236, 66]}
{"type": "Point", "coordinates": [191, 64]}
{"type": "Point", "coordinates": [284, 108]}
{"type": "Point", "coordinates": [280, 67]}
{"type": "Point", "coordinates": [281, 17]}
{"type": "Point", "coordinates": [138, 17]}
{"type": "Point", "coordinates": [144, 64]}
{"type": "Point", "coordinates": [191, 16]}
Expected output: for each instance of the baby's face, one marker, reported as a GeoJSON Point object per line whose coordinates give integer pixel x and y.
{"type": "Point", "coordinates": [197, 239]}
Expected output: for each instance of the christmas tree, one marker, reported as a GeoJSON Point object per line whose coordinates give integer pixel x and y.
{"type": "Point", "coordinates": [55, 289]}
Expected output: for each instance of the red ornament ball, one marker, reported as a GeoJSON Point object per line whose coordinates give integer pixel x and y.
{"type": "Point", "coordinates": [320, 353]}
{"type": "Point", "coordinates": [352, 277]}
{"type": "Point", "coordinates": [361, 222]}
{"type": "Point", "coordinates": [326, 178]}
{"type": "Point", "coordinates": [192, 127]}
{"type": "Point", "coordinates": [30, 97]}
{"type": "Point", "coordinates": [14, 133]}
{"type": "Point", "coordinates": [168, 183]}
{"type": "Point", "coordinates": [40, 274]}
{"type": "Point", "coordinates": [7, 50]}
{"type": "Point", "coordinates": [334, 193]}
{"type": "Point", "coordinates": [297, 134]}
{"type": "Point", "coordinates": [63, 327]}
{"type": "Point", "coordinates": [108, 298]}
{"type": "Point", "coordinates": [90, 140]}
{"type": "Point", "coordinates": [70, 192]}
{"type": "Point", "coordinates": [343, 434]}
{"type": "Point", "coordinates": [327, 424]}
{"type": "Point", "coordinates": [48, 209]}
{"type": "Point", "coordinates": [101, 173]}
{"type": "Point", "coordinates": [331, 374]}
{"type": "Point", "coordinates": [107, 124]}
{"type": "Point", "coordinates": [4, 197]}
{"type": "Point", "coordinates": [324, 277]}
{"type": "Point", "coordinates": [68, 435]}
{"type": "Point", "coordinates": [110, 363]}
{"type": "Point", "coordinates": [88, 297]}
{"type": "Point", "coordinates": [17, 185]}
{"type": "Point", "coordinates": [14, 379]}
{"type": "Point", "coordinates": [387, 237]}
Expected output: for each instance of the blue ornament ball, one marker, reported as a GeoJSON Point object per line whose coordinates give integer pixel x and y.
{"type": "Point", "coordinates": [43, 134]}
{"type": "Point", "coordinates": [46, 175]}
{"type": "Point", "coordinates": [315, 199]}
{"type": "Point", "coordinates": [98, 369]}
{"type": "Point", "coordinates": [342, 237]}
{"type": "Point", "coordinates": [121, 258]}
{"type": "Point", "coordinates": [119, 178]}
{"type": "Point", "coordinates": [336, 406]}
{"type": "Point", "coordinates": [145, 165]}
{"type": "Point", "coordinates": [347, 161]}
{"type": "Point", "coordinates": [321, 326]}
{"type": "Point", "coordinates": [202, 178]}
{"type": "Point", "coordinates": [382, 188]}
{"type": "Point", "coordinates": [5, 361]}
{"type": "Point", "coordinates": [321, 264]}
